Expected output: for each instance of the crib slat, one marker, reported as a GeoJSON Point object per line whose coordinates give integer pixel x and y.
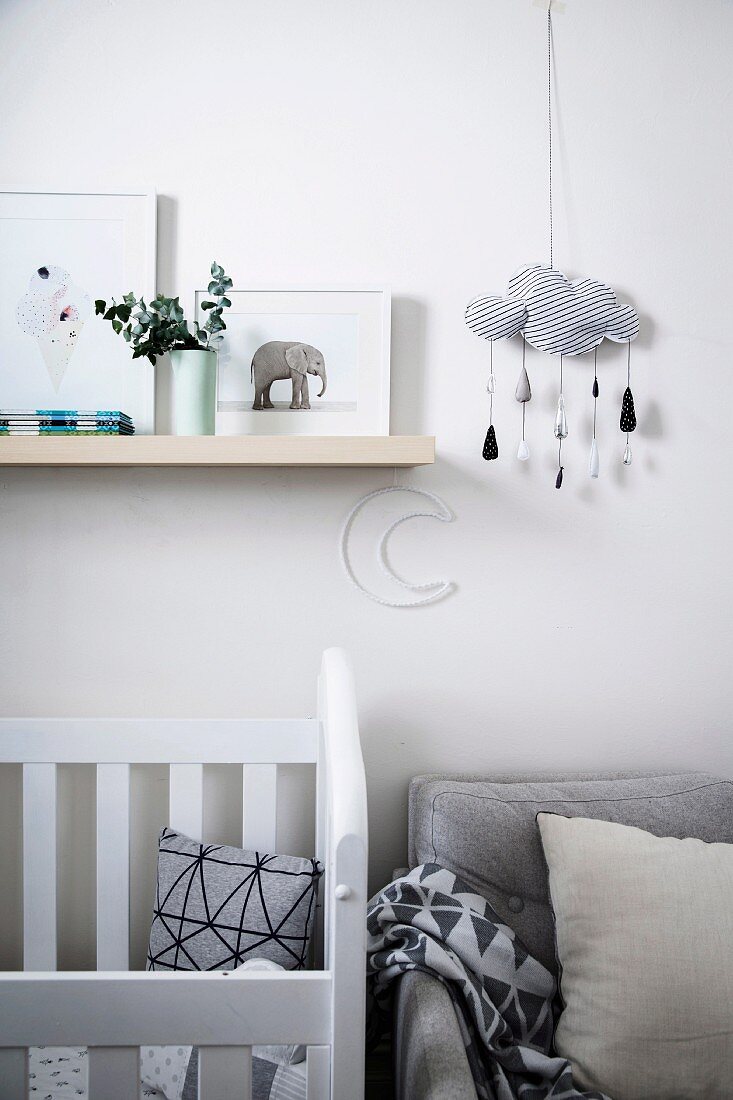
{"type": "Point", "coordinates": [186, 810]}
{"type": "Point", "coordinates": [39, 866]}
{"type": "Point", "coordinates": [318, 1073]}
{"type": "Point", "coordinates": [114, 1073]}
{"type": "Point", "coordinates": [113, 866]}
{"type": "Point", "coordinates": [14, 1073]}
{"type": "Point", "coordinates": [259, 807]}
{"type": "Point", "coordinates": [225, 1073]}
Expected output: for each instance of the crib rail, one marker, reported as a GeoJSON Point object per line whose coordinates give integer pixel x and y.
{"type": "Point", "coordinates": [158, 740]}
{"type": "Point", "coordinates": [223, 1014]}
{"type": "Point", "coordinates": [85, 1008]}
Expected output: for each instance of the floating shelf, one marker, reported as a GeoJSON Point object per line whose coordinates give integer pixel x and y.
{"type": "Point", "coordinates": [219, 450]}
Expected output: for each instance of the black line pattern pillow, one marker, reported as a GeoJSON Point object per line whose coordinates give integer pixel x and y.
{"type": "Point", "coordinates": [217, 906]}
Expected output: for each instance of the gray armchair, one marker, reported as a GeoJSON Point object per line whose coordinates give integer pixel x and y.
{"type": "Point", "coordinates": [484, 830]}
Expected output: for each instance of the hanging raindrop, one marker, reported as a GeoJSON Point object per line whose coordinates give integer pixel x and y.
{"type": "Point", "coordinates": [593, 464]}
{"type": "Point", "coordinates": [595, 387]}
{"type": "Point", "coordinates": [561, 424]}
{"type": "Point", "coordinates": [627, 455]}
{"type": "Point", "coordinates": [523, 394]}
{"type": "Point", "coordinates": [628, 412]}
{"type": "Point", "coordinates": [491, 449]}
{"type": "Point", "coordinates": [558, 479]}
{"type": "Point", "coordinates": [491, 384]}
{"type": "Point", "coordinates": [523, 391]}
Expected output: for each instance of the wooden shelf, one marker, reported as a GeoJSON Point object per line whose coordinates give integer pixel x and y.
{"type": "Point", "coordinates": [219, 450]}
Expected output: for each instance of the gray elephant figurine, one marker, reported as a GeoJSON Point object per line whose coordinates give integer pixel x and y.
{"type": "Point", "coordinates": [286, 359]}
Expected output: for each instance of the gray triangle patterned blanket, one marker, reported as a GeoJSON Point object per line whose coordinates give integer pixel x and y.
{"type": "Point", "coordinates": [431, 920]}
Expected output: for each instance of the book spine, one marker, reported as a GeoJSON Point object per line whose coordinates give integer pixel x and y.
{"type": "Point", "coordinates": [7, 423]}
{"type": "Point", "coordinates": [64, 431]}
{"type": "Point", "coordinates": [65, 414]}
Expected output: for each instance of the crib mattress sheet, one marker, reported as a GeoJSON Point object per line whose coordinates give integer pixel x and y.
{"type": "Point", "coordinates": [61, 1073]}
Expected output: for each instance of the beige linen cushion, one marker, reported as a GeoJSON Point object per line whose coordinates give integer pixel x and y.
{"type": "Point", "coordinates": [644, 929]}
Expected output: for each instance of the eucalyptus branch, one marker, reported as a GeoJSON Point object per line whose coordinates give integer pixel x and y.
{"type": "Point", "coordinates": [153, 329]}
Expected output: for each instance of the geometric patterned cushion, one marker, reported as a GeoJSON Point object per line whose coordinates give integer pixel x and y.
{"type": "Point", "coordinates": [217, 906]}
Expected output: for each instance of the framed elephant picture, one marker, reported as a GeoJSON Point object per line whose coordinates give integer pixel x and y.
{"type": "Point", "coordinates": [304, 362]}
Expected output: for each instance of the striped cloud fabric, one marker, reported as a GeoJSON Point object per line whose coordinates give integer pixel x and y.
{"type": "Point", "coordinates": [553, 314]}
{"type": "Point", "coordinates": [495, 318]}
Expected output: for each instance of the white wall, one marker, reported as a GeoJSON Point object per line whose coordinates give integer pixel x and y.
{"type": "Point", "coordinates": [403, 141]}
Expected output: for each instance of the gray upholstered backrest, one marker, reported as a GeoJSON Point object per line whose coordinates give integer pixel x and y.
{"type": "Point", "coordinates": [485, 830]}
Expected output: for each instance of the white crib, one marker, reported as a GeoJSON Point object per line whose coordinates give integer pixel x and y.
{"type": "Point", "coordinates": [114, 1011]}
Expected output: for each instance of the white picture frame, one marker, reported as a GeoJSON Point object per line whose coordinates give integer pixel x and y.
{"type": "Point", "coordinates": [95, 245]}
{"type": "Point", "coordinates": [349, 325]}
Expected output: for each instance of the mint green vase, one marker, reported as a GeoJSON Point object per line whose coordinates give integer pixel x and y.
{"type": "Point", "coordinates": [194, 392]}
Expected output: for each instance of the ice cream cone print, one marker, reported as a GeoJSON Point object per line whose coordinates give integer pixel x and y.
{"type": "Point", "coordinates": [54, 311]}
{"type": "Point", "coordinates": [57, 348]}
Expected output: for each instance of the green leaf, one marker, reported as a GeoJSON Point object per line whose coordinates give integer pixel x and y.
{"type": "Point", "coordinates": [123, 312]}
{"type": "Point", "coordinates": [110, 314]}
{"type": "Point", "coordinates": [227, 283]}
{"type": "Point", "coordinates": [137, 330]}
{"type": "Point", "coordinates": [130, 299]}
{"type": "Point", "coordinates": [99, 307]}
{"type": "Point", "coordinates": [207, 305]}
{"type": "Point", "coordinates": [224, 303]}
{"type": "Point", "coordinates": [117, 326]}
{"type": "Point", "coordinates": [127, 335]}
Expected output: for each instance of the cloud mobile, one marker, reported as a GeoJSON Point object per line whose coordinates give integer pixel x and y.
{"type": "Point", "coordinates": [558, 317]}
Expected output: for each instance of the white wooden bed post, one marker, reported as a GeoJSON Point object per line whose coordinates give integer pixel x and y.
{"type": "Point", "coordinates": [342, 846]}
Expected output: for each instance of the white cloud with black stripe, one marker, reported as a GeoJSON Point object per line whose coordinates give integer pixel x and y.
{"type": "Point", "coordinates": [552, 313]}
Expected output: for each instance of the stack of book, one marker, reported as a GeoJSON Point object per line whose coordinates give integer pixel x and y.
{"type": "Point", "coordinates": [64, 422]}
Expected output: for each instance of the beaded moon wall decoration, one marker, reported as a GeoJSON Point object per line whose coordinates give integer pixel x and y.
{"type": "Point", "coordinates": [557, 316]}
